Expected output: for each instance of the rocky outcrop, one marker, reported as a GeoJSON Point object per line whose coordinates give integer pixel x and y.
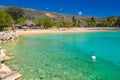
{"type": "Point", "coordinates": [5, 36]}
{"type": "Point", "coordinates": [2, 54]}
{"type": "Point", "coordinates": [5, 72]}
{"type": "Point", "coordinates": [50, 15]}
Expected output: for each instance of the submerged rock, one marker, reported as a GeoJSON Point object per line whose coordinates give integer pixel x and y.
{"type": "Point", "coordinates": [9, 57]}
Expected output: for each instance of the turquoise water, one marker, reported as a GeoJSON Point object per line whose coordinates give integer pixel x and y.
{"type": "Point", "coordinates": [67, 56]}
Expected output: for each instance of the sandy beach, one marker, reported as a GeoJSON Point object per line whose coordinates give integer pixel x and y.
{"type": "Point", "coordinates": [63, 30]}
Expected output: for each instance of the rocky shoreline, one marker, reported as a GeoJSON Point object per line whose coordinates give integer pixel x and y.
{"type": "Point", "coordinates": [6, 36]}
{"type": "Point", "coordinates": [7, 73]}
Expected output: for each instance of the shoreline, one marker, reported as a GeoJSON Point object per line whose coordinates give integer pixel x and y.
{"type": "Point", "coordinates": [64, 30]}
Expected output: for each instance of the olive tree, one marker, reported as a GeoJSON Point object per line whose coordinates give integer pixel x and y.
{"type": "Point", "coordinates": [5, 20]}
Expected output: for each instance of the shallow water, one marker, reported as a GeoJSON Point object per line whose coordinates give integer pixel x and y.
{"type": "Point", "coordinates": [67, 56]}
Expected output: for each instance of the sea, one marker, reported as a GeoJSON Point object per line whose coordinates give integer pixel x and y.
{"type": "Point", "coordinates": [66, 56]}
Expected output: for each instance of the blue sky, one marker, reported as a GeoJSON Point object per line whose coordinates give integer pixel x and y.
{"type": "Point", "coordinates": [99, 8]}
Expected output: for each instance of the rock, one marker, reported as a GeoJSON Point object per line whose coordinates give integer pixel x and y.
{"type": "Point", "coordinates": [4, 36]}
{"type": "Point", "coordinates": [9, 57]}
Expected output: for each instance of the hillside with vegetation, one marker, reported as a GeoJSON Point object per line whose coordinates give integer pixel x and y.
{"type": "Point", "coordinates": [33, 13]}
{"type": "Point", "coordinates": [45, 19]}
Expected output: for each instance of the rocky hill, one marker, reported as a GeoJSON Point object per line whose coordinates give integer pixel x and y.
{"type": "Point", "coordinates": [33, 13]}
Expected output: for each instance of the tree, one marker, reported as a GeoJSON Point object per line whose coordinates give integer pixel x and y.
{"type": "Point", "coordinates": [39, 22]}
{"type": "Point", "coordinates": [118, 22]}
{"type": "Point", "coordinates": [20, 21]}
{"type": "Point", "coordinates": [92, 22]}
{"type": "Point", "coordinates": [60, 23]}
{"type": "Point", "coordinates": [78, 23]}
{"type": "Point", "coordinates": [44, 22]}
{"type": "Point", "coordinates": [105, 23]}
{"type": "Point", "coordinates": [74, 21]}
{"type": "Point", "coordinates": [111, 20]}
{"type": "Point", "coordinates": [68, 24]}
{"type": "Point", "coordinates": [81, 23]}
{"type": "Point", "coordinates": [47, 23]}
{"type": "Point", "coordinates": [5, 20]}
{"type": "Point", "coordinates": [15, 12]}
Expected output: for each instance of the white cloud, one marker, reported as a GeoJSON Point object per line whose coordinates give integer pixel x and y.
{"type": "Point", "coordinates": [47, 8]}
{"type": "Point", "coordinates": [61, 9]}
{"type": "Point", "coordinates": [80, 13]}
